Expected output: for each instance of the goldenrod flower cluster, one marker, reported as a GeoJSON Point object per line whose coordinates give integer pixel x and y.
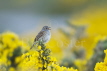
{"type": "Point", "coordinates": [14, 55]}
{"type": "Point", "coordinates": [40, 60]}
{"type": "Point", "coordinates": [11, 49]}
{"type": "Point", "coordinates": [102, 66]}
{"type": "Point", "coordinates": [31, 62]}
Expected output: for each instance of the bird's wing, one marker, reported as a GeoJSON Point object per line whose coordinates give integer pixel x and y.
{"type": "Point", "coordinates": [39, 35]}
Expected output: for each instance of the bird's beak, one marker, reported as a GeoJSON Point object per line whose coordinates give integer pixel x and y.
{"type": "Point", "coordinates": [49, 28]}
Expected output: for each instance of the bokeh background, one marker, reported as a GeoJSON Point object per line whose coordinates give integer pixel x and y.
{"type": "Point", "coordinates": [78, 28]}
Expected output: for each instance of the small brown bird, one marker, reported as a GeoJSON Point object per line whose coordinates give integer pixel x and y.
{"type": "Point", "coordinates": [44, 35]}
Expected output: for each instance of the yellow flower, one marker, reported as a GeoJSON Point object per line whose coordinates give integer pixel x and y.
{"type": "Point", "coordinates": [12, 69]}
{"type": "Point", "coordinates": [9, 63]}
{"type": "Point", "coordinates": [17, 59]}
{"type": "Point", "coordinates": [80, 63]}
{"type": "Point", "coordinates": [39, 47]}
{"type": "Point", "coordinates": [102, 66]}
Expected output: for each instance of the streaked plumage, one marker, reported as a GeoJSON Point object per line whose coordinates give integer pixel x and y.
{"type": "Point", "coordinates": [44, 35]}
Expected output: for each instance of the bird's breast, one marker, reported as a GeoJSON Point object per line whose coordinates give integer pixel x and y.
{"type": "Point", "coordinates": [46, 37]}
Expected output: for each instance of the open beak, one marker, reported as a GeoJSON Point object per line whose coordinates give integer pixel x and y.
{"type": "Point", "coordinates": [49, 28]}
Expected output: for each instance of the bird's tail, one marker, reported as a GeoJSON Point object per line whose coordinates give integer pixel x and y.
{"type": "Point", "coordinates": [33, 45]}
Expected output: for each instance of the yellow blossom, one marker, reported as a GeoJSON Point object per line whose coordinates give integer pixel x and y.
{"type": "Point", "coordinates": [12, 69]}
{"type": "Point", "coordinates": [102, 66]}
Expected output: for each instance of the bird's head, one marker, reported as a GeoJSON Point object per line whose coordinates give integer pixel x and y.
{"type": "Point", "coordinates": [46, 28]}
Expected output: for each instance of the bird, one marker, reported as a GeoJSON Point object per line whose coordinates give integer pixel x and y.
{"type": "Point", "coordinates": [44, 36]}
